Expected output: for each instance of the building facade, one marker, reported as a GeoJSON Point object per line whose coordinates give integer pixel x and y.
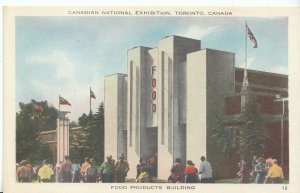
{"type": "Point", "coordinates": [167, 102]}
{"type": "Point", "coordinates": [50, 138]}
{"type": "Point", "coordinates": [266, 88]}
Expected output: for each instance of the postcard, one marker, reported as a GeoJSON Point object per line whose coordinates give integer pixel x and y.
{"type": "Point", "coordinates": [154, 99]}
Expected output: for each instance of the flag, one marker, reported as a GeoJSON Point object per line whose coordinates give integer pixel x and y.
{"type": "Point", "coordinates": [92, 95]}
{"type": "Point", "coordinates": [63, 101]}
{"type": "Point", "coordinates": [251, 37]}
{"type": "Point", "coordinates": [37, 108]}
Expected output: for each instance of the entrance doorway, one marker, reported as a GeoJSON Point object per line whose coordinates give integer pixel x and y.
{"type": "Point", "coordinates": [149, 148]}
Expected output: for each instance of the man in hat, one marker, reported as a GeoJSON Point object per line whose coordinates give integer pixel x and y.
{"type": "Point", "coordinates": [107, 170]}
{"type": "Point", "coordinates": [66, 170]}
{"type": "Point", "coordinates": [121, 169]}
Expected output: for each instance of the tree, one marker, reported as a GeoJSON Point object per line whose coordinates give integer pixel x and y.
{"type": "Point", "coordinates": [253, 134]}
{"type": "Point", "coordinates": [221, 137]}
{"type": "Point", "coordinates": [45, 120]}
{"type": "Point", "coordinates": [78, 146]}
{"type": "Point", "coordinates": [221, 153]}
{"type": "Point", "coordinates": [83, 120]}
{"type": "Point", "coordinates": [72, 124]}
{"type": "Point", "coordinates": [95, 134]}
{"type": "Point", "coordinates": [91, 142]}
{"type": "Point", "coordinates": [28, 126]}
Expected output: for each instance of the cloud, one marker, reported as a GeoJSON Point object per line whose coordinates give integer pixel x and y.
{"type": "Point", "coordinates": [109, 37]}
{"type": "Point", "coordinates": [279, 70]}
{"type": "Point", "coordinates": [69, 87]}
{"type": "Point", "coordinates": [197, 32]}
{"type": "Point", "coordinates": [59, 60]}
{"type": "Point", "coordinates": [40, 86]}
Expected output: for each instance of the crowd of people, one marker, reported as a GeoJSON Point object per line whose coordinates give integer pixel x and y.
{"type": "Point", "coordinates": [146, 170]}
{"type": "Point", "coordinates": [110, 171]}
{"type": "Point", "coordinates": [68, 172]}
{"type": "Point", "coordinates": [260, 171]}
{"type": "Point", "coordinates": [190, 174]}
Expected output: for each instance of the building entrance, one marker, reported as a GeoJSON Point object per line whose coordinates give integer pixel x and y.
{"type": "Point", "coordinates": [149, 148]}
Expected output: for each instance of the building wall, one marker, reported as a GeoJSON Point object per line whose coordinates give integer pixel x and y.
{"type": "Point", "coordinates": [274, 143]}
{"type": "Point", "coordinates": [50, 138]}
{"type": "Point", "coordinates": [263, 81]}
{"type": "Point", "coordinates": [232, 105]}
{"type": "Point", "coordinates": [172, 104]}
{"type": "Point", "coordinates": [152, 87]}
{"type": "Point", "coordinates": [150, 103]}
{"type": "Point", "coordinates": [196, 106]}
{"type": "Point", "coordinates": [137, 110]}
{"type": "Point", "coordinates": [115, 95]}
{"type": "Point", "coordinates": [122, 114]}
{"type": "Point", "coordinates": [63, 137]}
{"type": "Point", "coordinates": [210, 75]}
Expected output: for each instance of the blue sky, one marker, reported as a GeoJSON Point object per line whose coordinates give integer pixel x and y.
{"type": "Point", "coordinates": [67, 55]}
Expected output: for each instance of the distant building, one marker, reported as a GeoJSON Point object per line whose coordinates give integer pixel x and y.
{"type": "Point", "coordinates": [167, 102]}
{"type": "Point", "coordinates": [50, 138]}
{"type": "Point", "coordinates": [265, 87]}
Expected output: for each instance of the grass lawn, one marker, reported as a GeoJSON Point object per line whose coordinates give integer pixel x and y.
{"type": "Point", "coordinates": [219, 181]}
{"type": "Point", "coordinates": [236, 181]}
{"type": "Point", "coordinates": [227, 181]}
{"type": "Point", "coordinates": [155, 181]}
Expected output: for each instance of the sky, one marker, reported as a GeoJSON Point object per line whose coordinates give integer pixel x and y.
{"type": "Point", "coordinates": [66, 55]}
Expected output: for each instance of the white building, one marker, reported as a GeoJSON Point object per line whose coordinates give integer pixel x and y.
{"type": "Point", "coordinates": [166, 102]}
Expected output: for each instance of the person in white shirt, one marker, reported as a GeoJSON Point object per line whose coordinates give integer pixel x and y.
{"type": "Point", "coordinates": [206, 171]}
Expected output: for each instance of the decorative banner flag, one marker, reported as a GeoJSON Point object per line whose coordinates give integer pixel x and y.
{"type": "Point", "coordinates": [63, 101]}
{"type": "Point", "coordinates": [251, 37]}
{"type": "Point", "coordinates": [37, 108]}
{"type": "Point", "coordinates": [92, 95]}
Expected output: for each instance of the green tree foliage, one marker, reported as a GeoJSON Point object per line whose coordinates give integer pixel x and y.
{"type": "Point", "coordinates": [253, 134]}
{"type": "Point", "coordinates": [83, 120]}
{"type": "Point", "coordinates": [28, 126]}
{"type": "Point", "coordinates": [78, 146]}
{"type": "Point", "coordinates": [221, 137]}
{"type": "Point", "coordinates": [220, 151]}
{"type": "Point", "coordinates": [72, 124]}
{"type": "Point", "coordinates": [90, 143]}
{"type": "Point", "coordinates": [45, 120]}
{"type": "Point", "coordinates": [95, 134]}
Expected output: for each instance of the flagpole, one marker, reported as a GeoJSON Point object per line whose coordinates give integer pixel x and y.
{"type": "Point", "coordinates": [58, 106]}
{"type": "Point", "coordinates": [245, 81]}
{"type": "Point", "coordinates": [246, 47]}
{"type": "Point", "coordinates": [58, 133]}
{"type": "Point", "coordinates": [90, 101]}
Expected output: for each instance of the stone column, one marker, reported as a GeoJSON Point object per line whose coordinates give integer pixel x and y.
{"type": "Point", "coordinates": [62, 136]}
